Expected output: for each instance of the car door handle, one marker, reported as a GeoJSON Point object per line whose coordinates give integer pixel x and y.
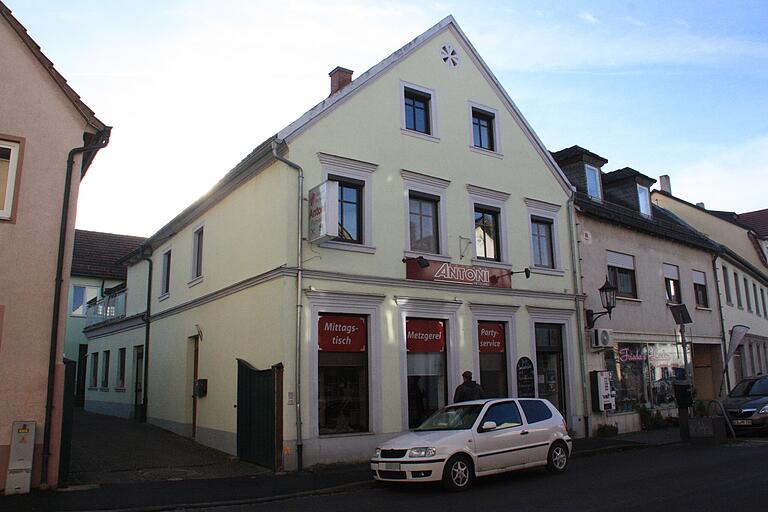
{"type": "Point", "coordinates": [524, 433]}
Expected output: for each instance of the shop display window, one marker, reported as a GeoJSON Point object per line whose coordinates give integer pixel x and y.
{"type": "Point", "coordinates": [492, 343]}
{"type": "Point", "coordinates": [426, 359]}
{"type": "Point", "coordinates": [342, 374]}
{"type": "Point", "coordinates": [642, 374]}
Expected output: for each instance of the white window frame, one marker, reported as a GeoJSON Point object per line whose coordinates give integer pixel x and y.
{"type": "Point", "coordinates": [587, 169]}
{"type": "Point", "coordinates": [432, 309]}
{"type": "Point", "coordinates": [332, 165]}
{"type": "Point", "coordinates": [496, 313]}
{"type": "Point", "coordinates": [433, 134]}
{"type": "Point", "coordinates": [549, 211]}
{"type": "Point", "coordinates": [496, 151]}
{"type": "Point", "coordinates": [493, 199]}
{"type": "Point", "coordinates": [422, 183]}
{"type": "Point", "coordinates": [164, 294]}
{"type": "Point", "coordinates": [356, 304]}
{"type": "Point", "coordinates": [85, 298]}
{"type": "Point", "coordinates": [7, 212]}
{"type": "Point", "coordinates": [647, 202]}
{"type": "Point", "coordinates": [193, 279]}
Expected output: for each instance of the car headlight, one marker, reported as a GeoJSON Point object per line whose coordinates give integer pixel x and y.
{"type": "Point", "coordinates": [764, 410]}
{"type": "Point", "coordinates": [377, 453]}
{"type": "Point", "coordinates": [423, 451]}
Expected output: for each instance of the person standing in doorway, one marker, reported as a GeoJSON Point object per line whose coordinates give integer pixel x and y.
{"type": "Point", "coordinates": [468, 390]}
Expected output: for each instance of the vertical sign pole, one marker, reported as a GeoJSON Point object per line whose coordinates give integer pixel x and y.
{"type": "Point", "coordinates": [682, 412]}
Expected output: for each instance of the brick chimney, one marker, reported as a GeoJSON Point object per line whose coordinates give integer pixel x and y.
{"type": "Point", "coordinates": [665, 185]}
{"type": "Point", "coordinates": [340, 78]}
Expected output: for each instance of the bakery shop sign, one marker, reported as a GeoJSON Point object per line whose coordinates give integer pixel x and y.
{"type": "Point", "coordinates": [422, 335]}
{"type": "Point", "coordinates": [453, 273]}
{"type": "Point", "coordinates": [490, 336]}
{"type": "Point", "coordinates": [341, 333]}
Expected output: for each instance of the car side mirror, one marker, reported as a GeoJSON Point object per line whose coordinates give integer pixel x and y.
{"type": "Point", "coordinates": [488, 425]}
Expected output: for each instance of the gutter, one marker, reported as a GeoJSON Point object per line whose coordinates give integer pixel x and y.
{"type": "Point", "coordinates": [299, 306]}
{"type": "Point", "coordinates": [727, 379]}
{"type": "Point", "coordinates": [576, 257]}
{"type": "Point", "coordinates": [102, 138]}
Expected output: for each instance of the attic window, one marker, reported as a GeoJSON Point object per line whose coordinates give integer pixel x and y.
{"type": "Point", "coordinates": [644, 198]}
{"type": "Point", "coordinates": [593, 182]}
{"type": "Point", "coordinates": [449, 55]}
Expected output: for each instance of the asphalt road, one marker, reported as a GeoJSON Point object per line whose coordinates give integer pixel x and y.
{"type": "Point", "coordinates": [678, 478]}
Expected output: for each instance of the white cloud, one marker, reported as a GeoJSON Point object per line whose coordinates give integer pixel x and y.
{"type": "Point", "coordinates": [588, 17]}
{"type": "Point", "coordinates": [732, 178]}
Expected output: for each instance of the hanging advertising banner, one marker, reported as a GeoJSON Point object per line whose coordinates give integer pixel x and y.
{"type": "Point", "coordinates": [323, 212]}
{"type": "Point", "coordinates": [423, 335]}
{"type": "Point", "coordinates": [453, 273]}
{"type": "Point", "coordinates": [341, 333]}
{"type": "Point", "coordinates": [490, 336]}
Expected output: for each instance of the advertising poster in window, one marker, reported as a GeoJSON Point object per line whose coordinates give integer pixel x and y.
{"type": "Point", "coordinates": [341, 333]}
{"type": "Point", "coordinates": [490, 337]}
{"type": "Point", "coordinates": [323, 212]}
{"type": "Point", "coordinates": [423, 335]}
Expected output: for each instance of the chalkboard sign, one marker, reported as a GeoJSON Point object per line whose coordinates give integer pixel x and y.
{"type": "Point", "coordinates": [525, 385]}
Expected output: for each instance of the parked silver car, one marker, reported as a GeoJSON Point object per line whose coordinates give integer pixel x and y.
{"type": "Point", "coordinates": [477, 438]}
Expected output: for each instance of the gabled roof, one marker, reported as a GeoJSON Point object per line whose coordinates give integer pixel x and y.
{"type": "Point", "coordinates": [70, 93]}
{"type": "Point", "coordinates": [96, 254]}
{"type": "Point", "coordinates": [447, 23]}
{"type": "Point", "coordinates": [575, 150]}
{"type": "Point", "coordinates": [757, 220]}
{"type": "Point", "coordinates": [624, 173]}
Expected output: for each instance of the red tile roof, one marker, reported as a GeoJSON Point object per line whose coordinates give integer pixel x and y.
{"type": "Point", "coordinates": [96, 254]}
{"type": "Point", "coordinates": [757, 220]}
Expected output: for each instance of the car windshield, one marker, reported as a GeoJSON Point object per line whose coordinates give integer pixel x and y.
{"type": "Point", "coordinates": [752, 387]}
{"type": "Point", "coordinates": [458, 417]}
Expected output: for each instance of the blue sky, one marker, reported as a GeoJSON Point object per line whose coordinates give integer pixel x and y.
{"type": "Point", "coordinates": [663, 87]}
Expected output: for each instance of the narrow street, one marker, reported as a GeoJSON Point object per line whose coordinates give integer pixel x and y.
{"type": "Point", "coordinates": [679, 478]}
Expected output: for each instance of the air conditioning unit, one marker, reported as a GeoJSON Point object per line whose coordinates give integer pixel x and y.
{"type": "Point", "coordinates": [602, 338]}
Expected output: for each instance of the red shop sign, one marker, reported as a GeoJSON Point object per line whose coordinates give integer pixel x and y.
{"type": "Point", "coordinates": [341, 333]}
{"type": "Point", "coordinates": [490, 336]}
{"type": "Point", "coordinates": [453, 273]}
{"type": "Point", "coordinates": [424, 335]}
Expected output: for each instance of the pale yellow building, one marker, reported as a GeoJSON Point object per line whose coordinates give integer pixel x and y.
{"type": "Point", "coordinates": [742, 278]}
{"type": "Point", "coordinates": [441, 189]}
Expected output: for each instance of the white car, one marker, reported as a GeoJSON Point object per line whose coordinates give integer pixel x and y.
{"type": "Point", "coordinates": [477, 438]}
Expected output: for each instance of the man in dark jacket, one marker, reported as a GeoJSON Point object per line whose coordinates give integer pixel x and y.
{"type": "Point", "coordinates": [468, 390]}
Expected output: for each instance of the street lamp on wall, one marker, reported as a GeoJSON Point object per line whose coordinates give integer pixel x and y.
{"type": "Point", "coordinates": [607, 299]}
{"type": "Point", "coordinates": [420, 260]}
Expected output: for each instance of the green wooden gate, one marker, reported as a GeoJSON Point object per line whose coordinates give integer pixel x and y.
{"type": "Point", "coordinates": [259, 415]}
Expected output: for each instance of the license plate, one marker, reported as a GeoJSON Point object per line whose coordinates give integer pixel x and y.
{"type": "Point", "coordinates": [389, 466]}
{"type": "Point", "coordinates": [742, 422]}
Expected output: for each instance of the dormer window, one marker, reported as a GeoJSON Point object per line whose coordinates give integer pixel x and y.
{"type": "Point", "coordinates": [644, 199]}
{"type": "Point", "coordinates": [594, 188]}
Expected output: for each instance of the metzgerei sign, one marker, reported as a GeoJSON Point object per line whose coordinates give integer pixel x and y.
{"type": "Point", "coordinates": [324, 212]}
{"type": "Point", "coordinates": [453, 273]}
{"type": "Point", "coordinates": [490, 336]}
{"type": "Point", "coordinates": [422, 335]}
{"type": "Point", "coordinates": [341, 333]}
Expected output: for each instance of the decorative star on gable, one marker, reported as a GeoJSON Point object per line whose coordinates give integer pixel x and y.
{"type": "Point", "coordinates": [449, 55]}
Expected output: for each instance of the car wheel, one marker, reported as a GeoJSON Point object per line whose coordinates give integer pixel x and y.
{"type": "Point", "coordinates": [557, 458]}
{"type": "Point", "coordinates": [458, 473]}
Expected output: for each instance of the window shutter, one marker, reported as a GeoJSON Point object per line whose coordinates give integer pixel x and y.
{"type": "Point", "coordinates": [617, 259]}
{"type": "Point", "coordinates": [699, 277]}
{"type": "Point", "coordinates": [671, 272]}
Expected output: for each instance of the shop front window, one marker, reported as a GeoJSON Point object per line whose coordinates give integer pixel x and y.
{"type": "Point", "coordinates": [492, 344]}
{"type": "Point", "coordinates": [642, 374]}
{"type": "Point", "coordinates": [549, 364]}
{"type": "Point", "coordinates": [427, 383]}
{"type": "Point", "coordinates": [342, 374]}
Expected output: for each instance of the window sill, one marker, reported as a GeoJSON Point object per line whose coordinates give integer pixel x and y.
{"type": "Point", "coordinates": [487, 152]}
{"type": "Point", "coordinates": [629, 299]}
{"type": "Point", "coordinates": [345, 246]}
{"type": "Point", "coordinates": [104, 389]}
{"type": "Point", "coordinates": [490, 263]}
{"type": "Point", "coordinates": [702, 308]}
{"type": "Point", "coordinates": [77, 316]}
{"type": "Point", "coordinates": [92, 388]}
{"type": "Point", "coordinates": [119, 390]}
{"type": "Point", "coordinates": [196, 280]}
{"type": "Point", "coordinates": [163, 297]}
{"type": "Point", "coordinates": [671, 303]}
{"type": "Point", "coordinates": [419, 135]}
{"type": "Point", "coordinates": [547, 271]}
{"type": "Point", "coordinates": [729, 304]}
{"type": "Point", "coordinates": [428, 256]}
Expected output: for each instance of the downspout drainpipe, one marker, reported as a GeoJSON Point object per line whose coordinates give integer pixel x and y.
{"type": "Point", "coordinates": [576, 257]}
{"type": "Point", "coordinates": [147, 318]}
{"type": "Point", "coordinates": [299, 306]}
{"type": "Point", "coordinates": [103, 140]}
{"type": "Point", "coordinates": [724, 348]}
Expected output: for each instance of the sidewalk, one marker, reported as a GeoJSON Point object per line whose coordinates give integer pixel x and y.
{"type": "Point", "coordinates": [162, 495]}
